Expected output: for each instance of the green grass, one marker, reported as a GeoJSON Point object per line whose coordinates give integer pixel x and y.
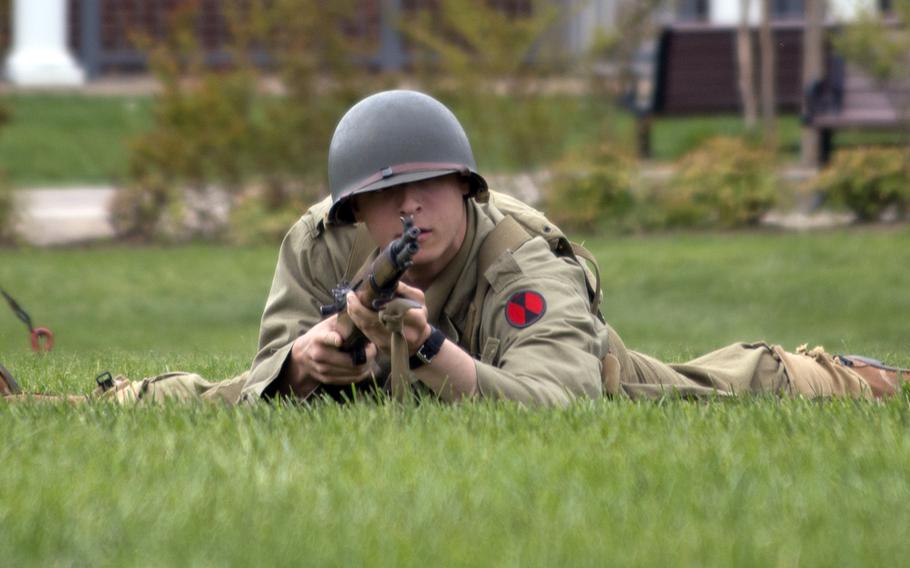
{"type": "Point", "coordinates": [169, 299]}
{"type": "Point", "coordinates": [71, 139]}
{"type": "Point", "coordinates": [751, 482]}
{"type": "Point", "coordinates": [671, 137]}
{"type": "Point", "coordinates": [685, 294]}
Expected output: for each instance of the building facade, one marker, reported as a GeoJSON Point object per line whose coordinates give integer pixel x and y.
{"type": "Point", "coordinates": [97, 36]}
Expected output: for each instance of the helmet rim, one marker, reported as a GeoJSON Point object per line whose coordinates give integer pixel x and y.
{"type": "Point", "coordinates": [340, 213]}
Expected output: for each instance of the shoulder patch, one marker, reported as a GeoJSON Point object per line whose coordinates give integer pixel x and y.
{"type": "Point", "coordinates": [524, 308]}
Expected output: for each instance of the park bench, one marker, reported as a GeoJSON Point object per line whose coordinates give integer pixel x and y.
{"type": "Point", "coordinates": [695, 72]}
{"type": "Point", "coordinates": [849, 99]}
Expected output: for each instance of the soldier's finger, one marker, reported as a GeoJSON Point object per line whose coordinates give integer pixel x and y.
{"type": "Point", "coordinates": [355, 306]}
{"type": "Point", "coordinates": [333, 357]}
{"type": "Point", "coordinates": [342, 358]}
{"type": "Point", "coordinates": [330, 338]}
{"type": "Point", "coordinates": [410, 292]}
{"type": "Point", "coordinates": [341, 379]}
{"type": "Point", "coordinates": [327, 372]}
{"type": "Point", "coordinates": [416, 319]}
{"type": "Point", "coordinates": [332, 380]}
{"type": "Point", "coordinates": [365, 373]}
{"type": "Point", "coordinates": [364, 317]}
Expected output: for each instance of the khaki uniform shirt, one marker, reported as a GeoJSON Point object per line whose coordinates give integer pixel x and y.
{"type": "Point", "coordinates": [550, 361]}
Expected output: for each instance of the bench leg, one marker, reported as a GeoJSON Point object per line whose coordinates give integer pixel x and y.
{"type": "Point", "coordinates": [826, 145]}
{"type": "Point", "coordinates": [643, 135]}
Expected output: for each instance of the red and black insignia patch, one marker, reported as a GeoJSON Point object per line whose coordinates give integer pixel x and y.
{"type": "Point", "coordinates": [524, 308]}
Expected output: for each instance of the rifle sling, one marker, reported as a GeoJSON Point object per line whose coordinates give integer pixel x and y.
{"type": "Point", "coordinates": [361, 251]}
{"type": "Point", "coordinates": [508, 234]}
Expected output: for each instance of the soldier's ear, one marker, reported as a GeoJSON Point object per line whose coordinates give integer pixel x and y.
{"type": "Point", "coordinates": [355, 211]}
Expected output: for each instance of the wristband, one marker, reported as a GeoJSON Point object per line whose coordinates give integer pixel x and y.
{"type": "Point", "coordinates": [426, 352]}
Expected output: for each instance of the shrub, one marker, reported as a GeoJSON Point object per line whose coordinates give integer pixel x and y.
{"type": "Point", "coordinates": [220, 129]}
{"type": "Point", "coordinates": [254, 219]}
{"type": "Point", "coordinates": [136, 210]}
{"type": "Point", "coordinates": [867, 181]}
{"type": "Point", "coordinates": [723, 183]}
{"type": "Point", "coordinates": [477, 58]}
{"type": "Point", "coordinates": [7, 214]}
{"type": "Point", "coordinates": [592, 190]}
{"type": "Point", "coordinates": [7, 203]}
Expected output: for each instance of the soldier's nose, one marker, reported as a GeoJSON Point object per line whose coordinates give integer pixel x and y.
{"type": "Point", "coordinates": [410, 201]}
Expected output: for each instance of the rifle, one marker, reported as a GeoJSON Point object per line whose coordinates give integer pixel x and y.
{"type": "Point", "coordinates": [374, 287]}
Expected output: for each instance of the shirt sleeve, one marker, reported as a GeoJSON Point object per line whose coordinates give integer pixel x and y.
{"type": "Point", "coordinates": [556, 357]}
{"type": "Point", "coordinates": [304, 276]}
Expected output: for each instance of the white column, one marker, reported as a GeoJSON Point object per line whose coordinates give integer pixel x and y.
{"type": "Point", "coordinates": [848, 10]}
{"type": "Point", "coordinates": [39, 56]}
{"type": "Point", "coordinates": [727, 12]}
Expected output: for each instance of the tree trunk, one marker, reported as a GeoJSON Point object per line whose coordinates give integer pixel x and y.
{"type": "Point", "coordinates": [746, 67]}
{"type": "Point", "coordinates": [768, 102]}
{"type": "Point", "coordinates": [813, 68]}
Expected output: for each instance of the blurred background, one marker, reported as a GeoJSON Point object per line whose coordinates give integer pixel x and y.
{"type": "Point", "coordinates": [201, 119]}
{"type": "Point", "coordinates": [166, 121]}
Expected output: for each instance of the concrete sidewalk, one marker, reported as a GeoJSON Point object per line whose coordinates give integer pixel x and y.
{"type": "Point", "coordinates": [56, 216]}
{"type": "Point", "coordinates": [59, 216]}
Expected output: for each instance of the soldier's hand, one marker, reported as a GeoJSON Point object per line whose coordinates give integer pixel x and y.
{"type": "Point", "coordinates": [317, 358]}
{"type": "Point", "coordinates": [415, 326]}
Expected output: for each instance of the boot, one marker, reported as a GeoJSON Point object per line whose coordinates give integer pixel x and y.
{"type": "Point", "coordinates": [8, 384]}
{"type": "Point", "coordinates": [883, 379]}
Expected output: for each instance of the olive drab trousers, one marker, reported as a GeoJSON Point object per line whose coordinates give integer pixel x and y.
{"type": "Point", "coordinates": [740, 368]}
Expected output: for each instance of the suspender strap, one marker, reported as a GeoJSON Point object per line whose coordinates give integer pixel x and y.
{"type": "Point", "coordinates": [508, 234]}
{"type": "Point", "coordinates": [361, 249]}
{"type": "Point", "coordinates": [596, 294]}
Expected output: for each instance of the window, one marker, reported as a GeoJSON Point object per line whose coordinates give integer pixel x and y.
{"type": "Point", "coordinates": [692, 10]}
{"type": "Point", "coordinates": [787, 9]}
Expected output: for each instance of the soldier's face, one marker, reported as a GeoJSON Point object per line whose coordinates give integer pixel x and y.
{"type": "Point", "coordinates": [437, 206]}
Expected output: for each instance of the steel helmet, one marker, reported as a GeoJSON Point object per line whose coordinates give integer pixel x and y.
{"type": "Point", "coordinates": [396, 137]}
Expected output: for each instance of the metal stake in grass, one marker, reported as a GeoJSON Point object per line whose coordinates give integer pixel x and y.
{"type": "Point", "coordinates": [42, 338]}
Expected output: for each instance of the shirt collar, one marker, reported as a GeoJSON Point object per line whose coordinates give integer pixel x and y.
{"type": "Point", "coordinates": [451, 292]}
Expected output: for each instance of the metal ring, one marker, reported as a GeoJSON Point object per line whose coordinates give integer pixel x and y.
{"type": "Point", "coordinates": [40, 333]}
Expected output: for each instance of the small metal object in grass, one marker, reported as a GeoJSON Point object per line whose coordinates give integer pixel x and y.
{"type": "Point", "coordinates": [41, 337]}
{"type": "Point", "coordinates": [105, 381]}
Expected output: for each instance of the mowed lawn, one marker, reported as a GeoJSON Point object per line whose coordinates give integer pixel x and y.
{"type": "Point", "coordinates": [745, 482]}
{"type": "Point", "coordinates": [65, 139]}
{"type": "Point", "coordinates": [61, 140]}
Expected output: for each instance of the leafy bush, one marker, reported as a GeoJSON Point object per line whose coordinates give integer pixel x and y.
{"type": "Point", "coordinates": [7, 204]}
{"type": "Point", "coordinates": [592, 190]}
{"type": "Point", "coordinates": [723, 183]}
{"type": "Point", "coordinates": [220, 129]}
{"type": "Point", "coordinates": [253, 220]}
{"type": "Point", "coordinates": [867, 181]}
{"type": "Point", "coordinates": [7, 214]}
{"type": "Point", "coordinates": [878, 42]}
{"type": "Point", "coordinates": [477, 58]}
